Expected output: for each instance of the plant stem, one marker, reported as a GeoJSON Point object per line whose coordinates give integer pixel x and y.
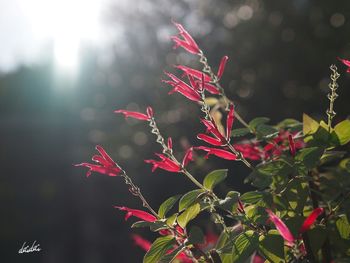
{"type": "Point", "coordinates": [333, 85]}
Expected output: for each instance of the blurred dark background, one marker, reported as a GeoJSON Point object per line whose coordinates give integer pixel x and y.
{"type": "Point", "coordinates": [54, 110]}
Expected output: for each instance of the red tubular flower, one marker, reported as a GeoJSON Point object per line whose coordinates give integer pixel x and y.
{"type": "Point", "coordinates": [217, 152]}
{"type": "Point", "coordinates": [194, 73]}
{"type": "Point", "coordinates": [222, 66]}
{"type": "Point", "coordinates": [187, 42]}
{"type": "Point", "coordinates": [310, 220]}
{"type": "Point", "coordinates": [188, 157]}
{"type": "Point", "coordinates": [165, 163]}
{"type": "Point", "coordinates": [346, 63]}
{"type": "Point", "coordinates": [213, 129]}
{"type": "Point", "coordinates": [229, 122]}
{"type": "Point", "coordinates": [141, 242]}
{"type": "Point", "coordinates": [282, 228]}
{"type": "Point", "coordinates": [137, 115]}
{"type": "Point", "coordinates": [137, 213]}
{"type": "Point", "coordinates": [105, 164]}
{"type": "Point", "coordinates": [182, 87]}
{"type": "Point", "coordinates": [210, 140]}
{"type": "Point", "coordinates": [170, 143]}
{"type": "Point", "coordinates": [291, 145]}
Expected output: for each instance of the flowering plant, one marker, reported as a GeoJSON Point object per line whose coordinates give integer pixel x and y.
{"type": "Point", "coordinates": [300, 209]}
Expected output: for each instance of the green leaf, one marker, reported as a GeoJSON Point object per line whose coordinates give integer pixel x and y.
{"type": "Point", "coordinates": [172, 220]}
{"type": "Point", "coordinates": [288, 123]}
{"type": "Point", "coordinates": [196, 236]}
{"type": "Point", "coordinates": [345, 164]}
{"type": "Point", "coordinates": [310, 126]}
{"type": "Point", "coordinates": [252, 197]}
{"type": "Point", "coordinates": [317, 237]}
{"type": "Point", "coordinates": [171, 256]}
{"type": "Point", "coordinates": [189, 214]}
{"type": "Point", "coordinates": [154, 226]}
{"type": "Point", "coordinates": [310, 157]}
{"type": "Point", "coordinates": [230, 201]}
{"type": "Point", "coordinates": [329, 156]}
{"type": "Point", "coordinates": [158, 249]}
{"type": "Point", "coordinates": [343, 227]}
{"type": "Point", "coordinates": [267, 131]}
{"type": "Point", "coordinates": [272, 246]}
{"type": "Point", "coordinates": [342, 130]}
{"type": "Point", "coordinates": [189, 198]}
{"type": "Point", "coordinates": [214, 178]}
{"type": "Point", "coordinates": [253, 124]}
{"type": "Point", "coordinates": [274, 167]}
{"type": "Point", "coordinates": [239, 132]}
{"type": "Point", "coordinates": [244, 246]}
{"type": "Point", "coordinates": [167, 205]}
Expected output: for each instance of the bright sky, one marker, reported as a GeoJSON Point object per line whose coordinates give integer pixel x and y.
{"type": "Point", "coordinates": [27, 27]}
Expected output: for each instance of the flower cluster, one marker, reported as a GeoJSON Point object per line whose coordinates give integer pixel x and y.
{"type": "Point", "coordinates": [295, 167]}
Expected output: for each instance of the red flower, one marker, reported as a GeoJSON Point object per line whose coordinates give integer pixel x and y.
{"type": "Point", "coordinates": [137, 115]}
{"type": "Point", "coordinates": [165, 163]}
{"type": "Point", "coordinates": [218, 139]}
{"type": "Point", "coordinates": [169, 165]}
{"type": "Point", "coordinates": [291, 145]}
{"type": "Point", "coordinates": [170, 143]}
{"type": "Point", "coordinates": [222, 66]}
{"type": "Point", "coordinates": [187, 42]}
{"type": "Point", "coordinates": [141, 242]}
{"type": "Point", "coordinates": [182, 87]}
{"type": "Point", "coordinates": [346, 63]}
{"type": "Point", "coordinates": [285, 232]}
{"type": "Point", "coordinates": [217, 152]}
{"type": "Point", "coordinates": [194, 73]}
{"type": "Point", "coordinates": [281, 227]}
{"type": "Point", "coordinates": [137, 213]}
{"type": "Point", "coordinates": [311, 219]}
{"type": "Point", "coordinates": [105, 164]}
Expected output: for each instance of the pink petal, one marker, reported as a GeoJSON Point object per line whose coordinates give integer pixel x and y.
{"type": "Point", "coordinates": [281, 227]}
{"type": "Point", "coordinates": [222, 66]}
{"type": "Point", "coordinates": [208, 139]}
{"type": "Point", "coordinates": [141, 242]}
{"type": "Point", "coordinates": [184, 44]}
{"type": "Point", "coordinates": [137, 213]}
{"type": "Point", "coordinates": [194, 73]}
{"type": "Point", "coordinates": [344, 61]}
{"type": "Point", "coordinates": [170, 143]}
{"type": "Point", "coordinates": [104, 154]}
{"type": "Point", "coordinates": [188, 157]}
{"type": "Point", "coordinates": [187, 37]}
{"type": "Point", "coordinates": [229, 122]}
{"type": "Point", "coordinates": [311, 219]}
{"type": "Point", "coordinates": [218, 152]}
{"type": "Point", "coordinates": [133, 114]}
{"type": "Point", "coordinates": [291, 145]}
{"type": "Point", "coordinates": [149, 112]}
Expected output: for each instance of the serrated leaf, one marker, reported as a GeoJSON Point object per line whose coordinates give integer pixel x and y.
{"type": "Point", "coordinates": [158, 249]}
{"type": "Point", "coordinates": [167, 205]}
{"type": "Point", "coordinates": [171, 256]}
{"type": "Point", "coordinates": [214, 178]}
{"type": "Point", "coordinates": [196, 236]}
{"type": "Point", "coordinates": [239, 132]}
{"type": "Point", "coordinates": [310, 126]}
{"type": "Point", "coordinates": [252, 197]}
{"type": "Point", "coordinates": [342, 131]}
{"type": "Point", "coordinates": [343, 227]}
{"type": "Point", "coordinates": [189, 198]}
{"type": "Point", "coordinates": [310, 157]}
{"type": "Point", "coordinates": [272, 246]}
{"type": "Point", "coordinates": [253, 124]}
{"type": "Point", "coordinates": [189, 214]}
{"type": "Point", "coordinates": [244, 246]}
